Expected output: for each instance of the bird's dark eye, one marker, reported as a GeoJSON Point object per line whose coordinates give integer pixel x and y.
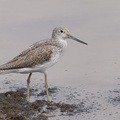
{"type": "Point", "coordinates": [61, 31]}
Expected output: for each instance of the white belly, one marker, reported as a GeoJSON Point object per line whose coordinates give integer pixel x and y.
{"type": "Point", "coordinates": [41, 67]}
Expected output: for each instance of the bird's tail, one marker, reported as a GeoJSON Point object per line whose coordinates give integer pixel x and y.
{"type": "Point", "coordinates": [4, 71]}
{"type": "Point", "coordinates": [7, 71]}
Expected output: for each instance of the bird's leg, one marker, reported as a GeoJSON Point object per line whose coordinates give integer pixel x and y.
{"type": "Point", "coordinates": [46, 87]}
{"type": "Point", "coordinates": [28, 88]}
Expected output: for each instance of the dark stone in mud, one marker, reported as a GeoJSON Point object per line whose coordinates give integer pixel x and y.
{"type": "Point", "coordinates": [13, 106]}
{"type": "Point", "coordinates": [115, 100]}
{"type": "Point", "coordinates": [51, 91]}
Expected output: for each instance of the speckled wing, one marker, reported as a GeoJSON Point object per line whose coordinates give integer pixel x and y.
{"type": "Point", "coordinates": [38, 53]}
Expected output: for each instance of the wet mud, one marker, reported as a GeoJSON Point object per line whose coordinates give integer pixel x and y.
{"type": "Point", "coordinates": [67, 103]}
{"type": "Point", "coordinates": [13, 106]}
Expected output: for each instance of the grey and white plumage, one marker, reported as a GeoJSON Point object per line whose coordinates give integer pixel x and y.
{"type": "Point", "coordinates": [40, 56]}
{"type": "Point", "coordinates": [40, 53]}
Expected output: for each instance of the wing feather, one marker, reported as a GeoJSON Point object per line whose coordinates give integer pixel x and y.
{"type": "Point", "coordinates": [35, 54]}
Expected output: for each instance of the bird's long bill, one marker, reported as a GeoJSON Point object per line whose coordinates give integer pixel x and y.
{"type": "Point", "coordinates": [71, 37]}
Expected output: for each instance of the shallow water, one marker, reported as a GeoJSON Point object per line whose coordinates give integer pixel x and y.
{"type": "Point", "coordinates": [89, 71]}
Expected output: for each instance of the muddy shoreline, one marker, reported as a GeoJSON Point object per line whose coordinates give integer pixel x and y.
{"type": "Point", "coordinates": [67, 103]}
{"type": "Point", "coordinates": [13, 106]}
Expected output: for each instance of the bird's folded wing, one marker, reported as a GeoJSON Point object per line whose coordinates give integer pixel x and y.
{"type": "Point", "coordinates": [30, 57]}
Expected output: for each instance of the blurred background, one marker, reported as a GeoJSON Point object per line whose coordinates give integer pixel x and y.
{"type": "Point", "coordinates": [96, 22]}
